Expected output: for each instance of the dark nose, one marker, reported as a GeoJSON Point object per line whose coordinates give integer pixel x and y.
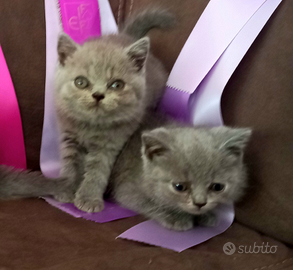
{"type": "Point", "coordinates": [98, 96]}
{"type": "Point", "coordinates": [200, 205]}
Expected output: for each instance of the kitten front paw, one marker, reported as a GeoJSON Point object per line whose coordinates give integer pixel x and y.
{"type": "Point", "coordinates": [177, 225]}
{"type": "Point", "coordinates": [89, 205]}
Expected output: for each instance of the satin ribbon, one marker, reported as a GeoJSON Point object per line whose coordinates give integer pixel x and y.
{"type": "Point", "coordinates": [80, 19]}
{"type": "Point", "coordinates": [12, 149]}
{"type": "Point", "coordinates": [150, 232]}
{"type": "Point", "coordinates": [218, 25]}
{"type": "Point", "coordinates": [205, 102]}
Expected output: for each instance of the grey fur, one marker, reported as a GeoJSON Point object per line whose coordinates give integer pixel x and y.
{"type": "Point", "coordinates": [22, 184]}
{"type": "Point", "coordinates": [143, 175]}
{"type": "Point", "coordinates": [139, 25]}
{"type": "Point", "coordinates": [93, 133]}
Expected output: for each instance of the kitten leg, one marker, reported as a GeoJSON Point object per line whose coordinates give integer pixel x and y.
{"type": "Point", "coordinates": [70, 166]}
{"type": "Point", "coordinates": [98, 165]}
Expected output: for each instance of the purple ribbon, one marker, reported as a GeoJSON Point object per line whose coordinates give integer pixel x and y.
{"type": "Point", "coordinates": [111, 211]}
{"type": "Point", "coordinates": [150, 232]}
{"type": "Point", "coordinates": [175, 103]}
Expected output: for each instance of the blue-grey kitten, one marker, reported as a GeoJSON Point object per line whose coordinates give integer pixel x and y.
{"type": "Point", "coordinates": [176, 175]}
{"type": "Point", "coordinates": [103, 89]}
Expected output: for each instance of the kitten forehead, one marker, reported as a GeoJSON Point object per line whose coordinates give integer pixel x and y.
{"type": "Point", "coordinates": [197, 154]}
{"type": "Point", "coordinates": [100, 55]}
{"type": "Point", "coordinates": [209, 138]}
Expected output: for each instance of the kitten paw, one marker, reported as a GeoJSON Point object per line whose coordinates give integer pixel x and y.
{"type": "Point", "coordinates": [178, 225]}
{"type": "Point", "coordinates": [90, 206]}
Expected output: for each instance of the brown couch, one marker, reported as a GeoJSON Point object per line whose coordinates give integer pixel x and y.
{"type": "Point", "coordinates": [34, 235]}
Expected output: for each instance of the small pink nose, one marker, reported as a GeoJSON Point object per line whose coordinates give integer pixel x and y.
{"type": "Point", "coordinates": [200, 205]}
{"type": "Point", "coordinates": [98, 96]}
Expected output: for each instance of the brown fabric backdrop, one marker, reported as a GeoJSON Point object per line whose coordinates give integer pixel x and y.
{"type": "Point", "coordinates": [259, 95]}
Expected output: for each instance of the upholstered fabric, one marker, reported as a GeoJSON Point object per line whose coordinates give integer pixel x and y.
{"type": "Point", "coordinates": [34, 235]}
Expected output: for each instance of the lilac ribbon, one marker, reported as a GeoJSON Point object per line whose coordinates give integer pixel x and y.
{"type": "Point", "coordinates": [150, 232]}
{"type": "Point", "coordinates": [205, 102]}
{"type": "Point", "coordinates": [12, 149]}
{"type": "Point", "coordinates": [49, 157]}
{"type": "Point", "coordinates": [111, 211]}
{"type": "Point", "coordinates": [218, 25]}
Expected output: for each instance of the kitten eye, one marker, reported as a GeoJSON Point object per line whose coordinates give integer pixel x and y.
{"type": "Point", "coordinates": [180, 187]}
{"type": "Point", "coordinates": [117, 85]}
{"type": "Point", "coordinates": [217, 187]}
{"type": "Point", "coordinates": [81, 82]}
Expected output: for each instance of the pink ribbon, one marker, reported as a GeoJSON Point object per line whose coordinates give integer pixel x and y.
{"type": "Point", "coordinates": [12, 149]}
{"type": "Point", "coordinates": [80, 19]}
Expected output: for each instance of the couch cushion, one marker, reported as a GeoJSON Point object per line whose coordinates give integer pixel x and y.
{"type": "Point", "coordinates": [259, 95]}
{"type": "Point", "coordinates": [35, 235]}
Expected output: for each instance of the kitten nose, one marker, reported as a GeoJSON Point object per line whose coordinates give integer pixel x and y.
{"type": "Point", "coordinates": [98, 96]}
{"type": "Point", "coordinates": [200, 205]}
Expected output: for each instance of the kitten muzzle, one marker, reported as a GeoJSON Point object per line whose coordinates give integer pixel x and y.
{"type": "Point", "coordinates": [98, 97]}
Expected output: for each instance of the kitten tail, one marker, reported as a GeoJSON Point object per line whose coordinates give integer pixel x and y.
{"type": "Point", "coordinates": [24, 184]}
{"type": "Point", "coordinates": [138, 25]}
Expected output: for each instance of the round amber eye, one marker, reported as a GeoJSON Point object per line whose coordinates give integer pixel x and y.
{"type": "Point", "coordinates": [117, 85]}
{"type": "Point", "coordinates": [180, 187]}
{"type": "Point", "coordinates": [217, 187]}
{"type": "Point", "coordinates": [81, 82]}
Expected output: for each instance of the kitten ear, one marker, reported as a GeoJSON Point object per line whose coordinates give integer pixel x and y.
{"type": "Point", "coordinates": [66, 47]}
{"type": "Point", "coordinates": [236, 141]}
{"type": "Point", "coordinates": [153, 143]}
{"type": "Point", "coordinates": [138, 52]}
